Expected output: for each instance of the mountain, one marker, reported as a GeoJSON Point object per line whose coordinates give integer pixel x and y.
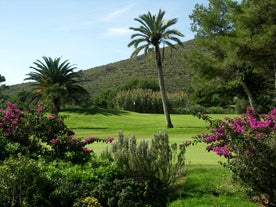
{"type": "Point", "coordinates": [177, 77]}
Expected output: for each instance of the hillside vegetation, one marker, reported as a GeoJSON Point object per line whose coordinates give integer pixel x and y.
{"type": "Point", "coordinates": [115, 74]}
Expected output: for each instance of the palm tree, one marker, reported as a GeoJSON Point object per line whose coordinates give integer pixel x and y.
{"type": "Point", "coordinates": [56, 83]}
{"type": "Point", "coordinates": [152, 32]}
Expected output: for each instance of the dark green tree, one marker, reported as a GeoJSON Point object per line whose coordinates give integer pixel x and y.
{"type": "Point", "coordinates": [256, 40]}
{"type": "Point", "coordinates": [227, 34]}
{"type": "Point", "coordinates": [153, 31]}
{"type": "Point", "coordinates": [55, 83]}
{"type": "Point", "coordinates": [3, 97]}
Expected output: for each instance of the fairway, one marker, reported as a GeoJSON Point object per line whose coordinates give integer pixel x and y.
{"type": "Point", "coordinates": [106, 123]}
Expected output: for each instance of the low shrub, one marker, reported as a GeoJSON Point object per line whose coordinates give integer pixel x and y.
{"type": "Point", "coordinates": [69, 182]}
{"type": "Point", "coordinates": [36, 135]}
{"type": "Point", "coordinates": [249, 144]}
{"type": "Point", "coordinates": [120, 192]}
{"type": "Point", "coordinates": [23, 183]}
{"type": "Point", "coordinates": [72, 183]}
{"type": "Point", "coordinates": [87, 202]}
{"type": "Point", "coordinates": [155, 164]}
{"type": "Point", "coordinates": [214, 110]}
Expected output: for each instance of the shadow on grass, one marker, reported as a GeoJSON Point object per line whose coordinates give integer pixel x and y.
{"type": "Point", "coordinates": [96, 110]}
{"type": "Point", "coordinates": [209, 186]}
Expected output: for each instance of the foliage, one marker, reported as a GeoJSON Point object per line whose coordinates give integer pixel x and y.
{"type": "Point", "coordinates": [56, 83]}
{"type": "Point", "coordinates": [140, 84]}
{"type": "Point", "coordinates": [3, 97]}
{"type": "Point", "coordinates": [69, 182]}
{"type": "Point", "coordinates": [139, 100]}
{"type": "Point", "coordinates": [177, 77]}
{"type": "Point", "coordinates": [87, 202]}
{"type": "Point", "coordinates": [121, 192]}
{"type": "Point", "coordinates": [23, 183]}
{"type": "Point", "coordinates": [152, 32]}
{"type": "Point", "coordinates": [98, 182]}
{"type": "Point", "coordinates": [234, 51]}
{"type": "Point", "coordinates": [249, 144]}
{"type": "Point", "coordinates": [140, 96]}
{"type": "Point", "coordinates": [36, 134]}
{"type": "Point", "coordinates": [105, 98]}
{"type": "Point", "coordinates": [155, 164]}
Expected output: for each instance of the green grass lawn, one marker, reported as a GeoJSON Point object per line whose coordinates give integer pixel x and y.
{"type": "Point", "coordinates": [105, 123]}
{"type": "Point", "coordinates": [206, 184]}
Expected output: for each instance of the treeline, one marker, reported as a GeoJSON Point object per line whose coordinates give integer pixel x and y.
{"type": "Point", "coordinates": [143, 96]}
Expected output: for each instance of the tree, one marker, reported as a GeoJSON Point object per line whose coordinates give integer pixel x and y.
{"type": "Point", "coordinates": [256, 39]}
{"type": "Point", "coordinates": [230, 32]}
{"type": "Point", "coordinates": [56, 83]}
{"type": "Point", "coordinates": [3, 97]}
{"type": "Point", "coordinates": [153, 31]}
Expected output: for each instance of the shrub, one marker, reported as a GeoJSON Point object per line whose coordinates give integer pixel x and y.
{"type": "Point", "coordinates": [249, 144]}
{"type": "Point", "coordinates": [36, 134]}
{"type": "Point", "coordinates": [69, 182]}
{"type": "Point", "coordinates": [120, 192]}
{"type": "Point", "coordinates": [156, 164]}
{"type": "Point", "coordinates": [215, 110]}
{"type": "Point", "coordinates": [23, 183]}
{"type": "Point", "coordinates": [139, 100]}
{"type": "Point", "coordinates": [87, 202]}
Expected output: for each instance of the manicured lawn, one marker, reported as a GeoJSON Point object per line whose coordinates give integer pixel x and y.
{"type": "Point", "coordinates": [105, 123]}
{"type": "Point", "coordinates": [206, 183]}
{"type": "Point", "coordinates": [209, 186]}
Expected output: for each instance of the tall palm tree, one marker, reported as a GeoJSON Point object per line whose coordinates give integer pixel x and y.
{"type": "Point", "coordinates": [56, 83]}
{"type": "Point", "coordinates": [153, 31]}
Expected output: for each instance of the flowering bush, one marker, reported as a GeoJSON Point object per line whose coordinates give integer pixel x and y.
{"type": "Point", "coordinates": [249, 144]}
{"type": "Point", "coordinates": [39, 134]}
{"type": "Point", "coordinates": [67, 147]}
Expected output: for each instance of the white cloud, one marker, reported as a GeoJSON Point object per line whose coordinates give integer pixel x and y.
{"type": "Point", "coordinates": [117, 31]}
{"type": "Point", "coordinates": [110, 16]}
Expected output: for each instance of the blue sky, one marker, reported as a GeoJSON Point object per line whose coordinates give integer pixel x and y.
{"type": "Point", "coordinates": [88, 33]}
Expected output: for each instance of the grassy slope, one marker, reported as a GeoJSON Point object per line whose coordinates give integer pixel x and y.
{"type": "Point", "coordinates": [206, 184]}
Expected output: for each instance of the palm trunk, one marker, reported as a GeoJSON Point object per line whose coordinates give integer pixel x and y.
{"type": "Point", "coordinates": [162, 86]}
{"type": "Point", "coordinates": [55, 107]}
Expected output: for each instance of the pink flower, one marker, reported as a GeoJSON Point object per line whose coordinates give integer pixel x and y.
{"type": "Point", "coordinates": [54, 140]}
{"type": "Point", "coordinates": [86, 150]}
{"type": "Point", "coordinates": [89, 139]}
{"type": "Point", "coordinates": [39, 109]}
{"type": "Point", "coordinates": [51, 116]}
{"type": "Point", "coordinates": [109, 139]}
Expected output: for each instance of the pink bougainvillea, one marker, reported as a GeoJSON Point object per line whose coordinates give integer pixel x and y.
{"type": "Point", "coordinates": [249, 128]}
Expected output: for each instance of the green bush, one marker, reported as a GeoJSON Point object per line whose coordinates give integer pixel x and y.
{"type": "Point", "coordinates": [139, 100]}
{"type": "Point", "coordinates": [69, 182]}
{"type": "Point", "coordinates": [23, 184]}
{"type": "Point", "coordinates": [87, 202]}
{"type": "Point", "coordinates": [120, 192]}
{"type": "Point", "coordinates": [36, 135]}
{"type": "Point", "coordinates": [214, 110]}
{"type": "Point", "coordinates": [249, 144]}
{"type": "Point", "coordinates": [155, 164]}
